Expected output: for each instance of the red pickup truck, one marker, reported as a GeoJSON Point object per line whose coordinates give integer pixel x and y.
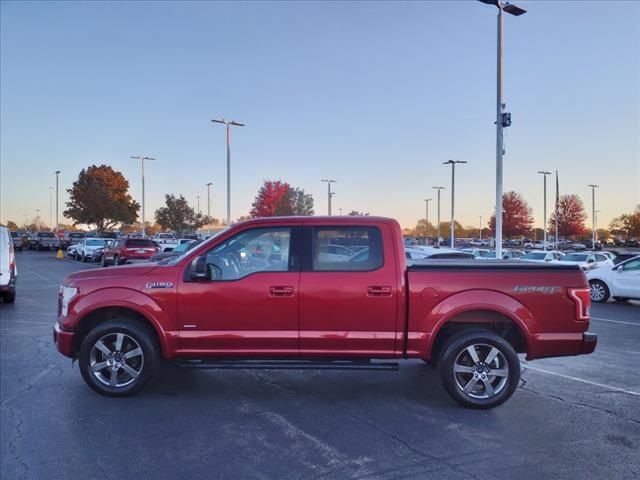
{"type": "Point", "coordinates": [277, 293]}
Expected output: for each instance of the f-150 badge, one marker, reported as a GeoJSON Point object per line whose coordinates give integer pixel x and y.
{"type": "Point", "coordinates": [159, 285]}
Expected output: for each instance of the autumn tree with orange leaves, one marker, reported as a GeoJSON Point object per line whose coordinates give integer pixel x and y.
{"type": "Point", "coordinates": [277, 198]}
{"type": "Point", "coordinates": [517, 220]}
{"type": "Point", "coordinates": [571, 216]}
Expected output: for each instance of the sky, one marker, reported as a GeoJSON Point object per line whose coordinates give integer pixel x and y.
{"type": "Point", "coordinates": [375, 95]}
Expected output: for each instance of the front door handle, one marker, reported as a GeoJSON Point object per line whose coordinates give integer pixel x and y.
{"type": "Point", "coordinates": [379, 291]}
{"type": "Point", "coordinates": [284, 291]}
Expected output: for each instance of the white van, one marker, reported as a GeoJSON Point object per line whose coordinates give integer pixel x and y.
{"type": "Point", "coordinates": [8, 270]}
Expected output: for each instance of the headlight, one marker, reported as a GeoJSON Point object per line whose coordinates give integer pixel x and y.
{"type": "Point", "coordinates": [66, 295]}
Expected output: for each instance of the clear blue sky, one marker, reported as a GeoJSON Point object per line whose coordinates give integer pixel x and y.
{"type": "Point", "coordinates": [376, 95]}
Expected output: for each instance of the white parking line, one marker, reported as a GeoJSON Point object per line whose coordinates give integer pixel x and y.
{"type": "Point", "coordinates": [615, 321]}
{"type": "Point", "coordinates": [589, 382]}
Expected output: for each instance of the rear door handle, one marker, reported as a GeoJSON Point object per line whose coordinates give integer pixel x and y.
{"type": "Point", "coordinates": [379, 291]}
{"type": "Point", "coordinates": [284, 291]}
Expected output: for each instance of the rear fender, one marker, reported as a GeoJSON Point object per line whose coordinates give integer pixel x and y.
{"type": "Point", "coordinates": [475, 301]}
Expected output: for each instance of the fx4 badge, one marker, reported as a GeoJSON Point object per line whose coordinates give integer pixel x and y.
{"type": "Point", "coordinates": [534, 289]}
{"type": "Point", "coordinates": [159, 285]}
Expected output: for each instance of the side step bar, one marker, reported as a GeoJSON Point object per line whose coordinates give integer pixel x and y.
{"type": "Point", "coordinates": [229, 364]}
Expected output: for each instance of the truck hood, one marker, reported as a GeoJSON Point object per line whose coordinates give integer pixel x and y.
{"type": "Point", "coordinates": [112, 272]}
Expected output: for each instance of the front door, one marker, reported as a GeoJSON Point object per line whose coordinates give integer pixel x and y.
{"type": "Point", "coordinates": [248, 303]}
{"type": "Point", "coordinates": [626, 280]}
{"type": "Point", "coordinates": [348, 293]}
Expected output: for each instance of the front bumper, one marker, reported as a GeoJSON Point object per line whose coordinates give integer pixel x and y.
{"type": "Point", "coordinates": [63, 340]}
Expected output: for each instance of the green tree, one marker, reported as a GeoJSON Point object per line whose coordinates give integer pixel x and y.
{"type": "Point", "coordinates": [422, 229]}
{"type": "Point", "coordinates": [13, 226]}
{"type": "Point", "coordinates": [627, 224]}
{"type": "Point", "coordinates": [101, 197]}
{"type": "Point", "coordinates": [302, 202]}
{"type": "Point", "coordinates": [355, 213]}
{"type": "Point", "coordinates": [179, 217]}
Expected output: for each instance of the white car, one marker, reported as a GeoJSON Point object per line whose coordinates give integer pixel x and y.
{"type": "Point", "coordinates": [506, 255]}
{"type": "Point", "coordinates": [542, 257]}
{"type": "Point", "coordinates": [586, 260]}
{"type": "Point", "coordinates": [477, 252]}
{"type": "Point", "coordinates": [71, 250]}
{"type": "Point", "coordinates": [167, 241]}
{"type": "Point", "coordinates": [89, 249]}
{"type": "Point", "coordinates": [8, 269]}
{"type": "Point", "coordinates": [621, 282]}
{"type": "Point", "coordinates": [334, 253]}
{"type": "Point", "coordinates": [420, 252]}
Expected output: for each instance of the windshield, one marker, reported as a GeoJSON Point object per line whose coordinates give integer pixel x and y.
{"type": "Point", "coordinates": [76, 235]}
{"type": "Point", "coordinates": [46, 234]}
{"type": "Point", "coordinates": [487, 254]}
{"type": "Point", "coordinates": [535, 256]}
{"type": "Point", "coordinates": [174, 260]}
{"type": "Point", "coordinates": [575, 257]}
{"type": "Point", "coordinates": [96, 242]}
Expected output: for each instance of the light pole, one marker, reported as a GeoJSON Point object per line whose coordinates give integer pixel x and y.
{"type": "Point", "coordinates": [198, 202]}
{"type": "Point", "coordinates": [503, 119]}
{"type": "Point", "coordinates": [438, 229]}
{"type": "Point", "coordinates": [593, 214]}
{"type": "Point", "coordinates": [329, 193]}
{"type": "Point", "coordinates": [340, 211]}
{"type": "Point", "coordinates": [480, 227]}
{"type": "Point", "coordinates": [453, 192]}
{"type": "Point", "coordinates": [426, 219]}
{"type": "Point", "coordinates": [209, 199]}
{"type": "Point", "coordinates": [228, 123]}
{"type": "Point", "coordinates": [142, 159]}
{"type": "Point", "coordinates": [50, 208]}
{"type": "Point", "coordinates": [57, 172]}
{"type": "Point", "coordinates": [544, 174]}
{"type": "Point", "coordinates": [38, 219]}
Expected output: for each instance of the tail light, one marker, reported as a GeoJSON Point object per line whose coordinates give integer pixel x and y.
{"type": "Point", "coordinates": [582, 299]}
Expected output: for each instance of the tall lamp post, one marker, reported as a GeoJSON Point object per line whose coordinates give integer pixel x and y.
{"type": "Point", "coordinates": [142, 159]}
{"type": "Point", "coordinates": [593, 214]}
{"type": "Point", "coordinates": [438, 228]}
{"type": "Point", "coordinates": [453, 193]}
{"type": "Point", "coordinates": [229, 124]}
{"type": "Point", "coordinates": [50, 208]}
{"type": "Point", "coordinates": [57, 172]}
{"type": "Point", "coordinates": [426, 219]}
{"type": "Point", "coordinates": [503, 119]}
{"type": "Point", "coordinates": [544, 174]}
{"type": "Point", "coordinates": [329, 193]}
{"type": "Point", "coordinates": [480, 227]}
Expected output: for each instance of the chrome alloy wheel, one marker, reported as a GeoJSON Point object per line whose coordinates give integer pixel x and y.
{"type": "Point", "coordinates": [481, 371]}
{"type": "Point", "coordinates": [597, 291]}
{"type": "Point", "coordinates": [116, 360]}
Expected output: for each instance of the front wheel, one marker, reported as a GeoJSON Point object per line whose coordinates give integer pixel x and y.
{"type": "Point", "coordinates": [118, 357]}
{"type": "Point", "coordinates": [479, 369]}
{"type": "Point", "coordinates": [599, 291]}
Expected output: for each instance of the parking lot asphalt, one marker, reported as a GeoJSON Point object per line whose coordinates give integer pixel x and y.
{"type": "Point", "coordinates": [573, 417]}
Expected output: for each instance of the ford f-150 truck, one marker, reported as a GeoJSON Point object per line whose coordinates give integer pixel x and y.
{"type": "Point", "coordinates": [267, 293]}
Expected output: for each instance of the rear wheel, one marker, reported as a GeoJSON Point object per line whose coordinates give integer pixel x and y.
{"type": "Point", "coordinates": [9, 297]}
{"type": "Point", "coordinates": [479, 369]}
{"type": "Point", "coordinates": [103, 262]}
{"type": "Point", "coordinates": [599, 291]}
{"type": "Point", "coordinates": [118, 357]}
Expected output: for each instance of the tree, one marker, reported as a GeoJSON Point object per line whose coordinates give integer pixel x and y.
{"type": "Point", "coordinates": [355, 213]}
{"type": "Point", "coordinates": [179, 217]}
{"type": "Point", "coordinates": [277, 198]}
{"type": "Point", "coordinates": [13, 226]}
{"type": "Point", "coordinates": [571, 216]}
{"type": "Point", "coordinates": [627, 224]}
{"type": "Point", "coordinates": [517, 219]}
{"type": "Point", "coordinates": [422, 229]}
{"type": "Point", "coordinates": [100, 197]}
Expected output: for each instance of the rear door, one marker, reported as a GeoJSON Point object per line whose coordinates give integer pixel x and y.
{"type": "Point", "coordinates": [626, 280]}
{"type": "Point", "coordinates": [348, 306]}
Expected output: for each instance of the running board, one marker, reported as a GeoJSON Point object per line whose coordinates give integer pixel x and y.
{"type": "Point", "coordinates": [287, 365]}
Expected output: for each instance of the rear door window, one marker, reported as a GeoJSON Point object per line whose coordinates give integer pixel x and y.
{"type": "Point", "coordinates": [333, 249]}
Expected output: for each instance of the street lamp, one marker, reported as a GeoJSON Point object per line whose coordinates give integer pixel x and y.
{"type": "Point", "coordinates": [228, 123]}
{"type": "Point", "coordinates": [544, 174]}
{"type": "Point", "coordinates": [198, 203]}
{"type": "Point", "coordinates": [438, 229]}
{"type": "Point", "coordinates": [57, 172]}
{"type": "Point", "coordinates": [593, 214]}
{"type": "Point", "coordinates": [50, 208]}
{"type": "Point", "coordinates": [38, 219]}
{"type": "Point", "coordinates": [426, 219]}
{"type": "Point", "coordinates": [142, 159]}
{"type": "Point", "coordinates": [329, 193]}
{"type": "Point", "coordinates": [453, 191]}
{"type": "Point", "coordinates": [503, 119]}
{"type": "Point", "coordinates": [480, 227]}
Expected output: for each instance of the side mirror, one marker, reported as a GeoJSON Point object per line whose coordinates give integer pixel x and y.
{"type": "Point", "coordinates": [199, 268]}
{"type": "Point", "coordinates": [591, 260]}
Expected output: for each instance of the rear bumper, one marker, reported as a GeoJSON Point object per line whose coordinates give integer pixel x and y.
{"type": "Point", "coordinates": [63, 340]}
{"type": "Point", "coordinates": [561, 344]}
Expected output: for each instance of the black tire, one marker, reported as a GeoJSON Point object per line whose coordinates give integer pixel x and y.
{"type": "Point", "coordinates": [9, 297]}
{"type": "Point", "coordinates": [147, 364]}
{"type": "Point", "coordinates": [37, 248]}
{"type": "Point", "coordinates": [116, 262]}
{"type": "Point", "coordinates": [599, 291]}
{"type": "Point", "coordinates": [103, 262]}
{"type": "Point", "coordinates": [83, 258]}
{"type": "Point", "coordinates": [455, 353]}
{"type": "Point", "coordinates": [621, 299]}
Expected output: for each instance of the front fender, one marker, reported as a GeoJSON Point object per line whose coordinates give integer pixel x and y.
{"type": "Point", "coordinates": [470, 301]}
{"type": "Point", "coordinates": [118, 297]}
